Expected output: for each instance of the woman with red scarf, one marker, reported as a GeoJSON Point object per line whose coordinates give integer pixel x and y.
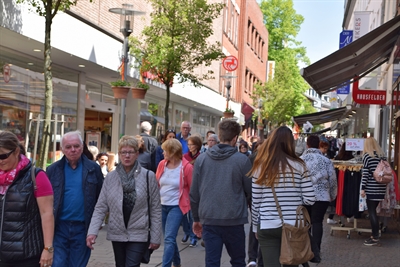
{"type": "Point", "coordinates": [26, 209]}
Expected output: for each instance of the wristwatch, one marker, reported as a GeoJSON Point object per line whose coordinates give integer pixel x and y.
{"type": "Point", "coordinates": [49, 249]}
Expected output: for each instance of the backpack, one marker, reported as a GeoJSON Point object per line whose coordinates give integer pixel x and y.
{"type": "Point", "coordinates": [383, 173]}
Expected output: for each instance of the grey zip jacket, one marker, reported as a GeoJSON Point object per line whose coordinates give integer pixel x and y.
{"type": "Point", "coordinates": [220, 188]}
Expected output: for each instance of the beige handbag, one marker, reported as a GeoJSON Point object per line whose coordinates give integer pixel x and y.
{"type": "Point", "coordinates": [295, 242]}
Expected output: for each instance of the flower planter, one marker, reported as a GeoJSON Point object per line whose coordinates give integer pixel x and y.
{"type": "Point", "coordinates": [120, 92]}
{"type": "Point", "coordinates": [138, 93]}
{"type": "Point", "coordinates": [228, 114]}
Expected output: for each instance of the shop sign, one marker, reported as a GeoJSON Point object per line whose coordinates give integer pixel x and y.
{"type": "Point", "coordinates": [354, 144]}
{"type": "Point", "coordinates": [345, 38]}
{"type": "Point", "coordinates": [369, 97]}
{"type": "Point", "coordinates": [6, 73]}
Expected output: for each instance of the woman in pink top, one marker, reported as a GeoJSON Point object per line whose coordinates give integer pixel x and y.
{"type": "Point", "coordinates": [174, 176]}
{"type": "Point", "coordinates": [26, 210]}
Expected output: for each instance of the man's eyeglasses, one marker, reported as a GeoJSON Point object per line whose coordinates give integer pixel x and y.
{"type": "Point", "coordinates": [127, 153]}
{"type": "Point", "coordinates": [211, 140]}
{"type": "Point", "coordinates": [6, 155]}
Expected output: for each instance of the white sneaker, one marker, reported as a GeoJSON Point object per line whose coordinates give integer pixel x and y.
{"type": "Point", "coordinates": [252, 264]}
{"type": "Point", "coordinates": [331, 221]}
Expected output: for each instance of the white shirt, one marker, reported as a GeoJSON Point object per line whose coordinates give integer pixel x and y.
{"type": "Point", "coordinates": [169, 186]}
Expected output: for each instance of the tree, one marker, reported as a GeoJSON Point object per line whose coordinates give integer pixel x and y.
{"type": "Point", "coordinates": [284, 95]}
{"type": "Point", "coordinates": [175, 43]}
{"type": "Point", "coordinates": [47, 9]}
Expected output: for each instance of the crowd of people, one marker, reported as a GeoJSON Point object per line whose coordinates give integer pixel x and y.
{"type": "Point", "coordinates": [155, 189]}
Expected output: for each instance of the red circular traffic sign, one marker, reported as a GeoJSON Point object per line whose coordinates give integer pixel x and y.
{"type": "Point", "coordinates": [230, 63]}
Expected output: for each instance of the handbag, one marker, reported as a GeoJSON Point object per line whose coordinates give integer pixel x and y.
{"type": "Point", "coordinates": [383, 173]}
{"type": "Point", "coordinates": [295, 242]}
{"type": "Point", "coordinates": [147, 254]}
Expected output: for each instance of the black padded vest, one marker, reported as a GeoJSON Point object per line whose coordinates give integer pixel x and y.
{"type": "Point", "coordinates": [21, 236]}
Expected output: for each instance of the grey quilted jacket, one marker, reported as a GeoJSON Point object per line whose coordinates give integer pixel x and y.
{"type": "Point", "coordinates": [110, 200]}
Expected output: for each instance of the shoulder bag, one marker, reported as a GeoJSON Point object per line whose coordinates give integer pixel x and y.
{"type": "Point", "coordinates": [147, 254]}
{"type": "Point", "coordinates": [295, 242]}
{"type": "Point", "coordinates": [383, 173]}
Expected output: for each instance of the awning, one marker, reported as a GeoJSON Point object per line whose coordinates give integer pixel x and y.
{"type": "Point", "coordinates": [145, 115]}
{"type": "Point", "coordinates": [358, 58]}
{"type": "Point", "coordinates": [247, 110]}
{"type": "Point", "coordinates": [321, 117]}
{"type": "Point", "coordinates": [159, 119]}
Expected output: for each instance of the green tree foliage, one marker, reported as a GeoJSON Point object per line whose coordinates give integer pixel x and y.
{"type": "Point", "coordinates": [47, 9]}
{"type": "Point", "coordinates": [283, 97]}
{"type": "Point", "coordinates": [176, 43]}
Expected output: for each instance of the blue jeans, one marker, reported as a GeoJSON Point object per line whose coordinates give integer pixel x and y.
{"type": "Point", "coordinates": [171, 221]}
{"type": "Point", "coordinates": [234, 239]}
{"type": "Point", "coordinates": [69, 243]}
{"type": "Point", "coordinates": [187, 223]}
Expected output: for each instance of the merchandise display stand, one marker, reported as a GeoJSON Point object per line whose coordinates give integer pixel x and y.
{"type": "Point", "coordinates": [354, 167]}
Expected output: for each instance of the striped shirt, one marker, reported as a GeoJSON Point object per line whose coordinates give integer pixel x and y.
{"type": "Point", "coordinates": [290, 195]}
{"type": "Point", "coordinates": [373, 189]}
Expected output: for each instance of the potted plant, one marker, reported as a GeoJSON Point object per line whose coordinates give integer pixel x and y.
{"type": "Point", "coordinates": [139, 91]}
{"type": "Point", "coordinates": [228, 113]}
{"type": "Point", "coordinates": [120, 88]}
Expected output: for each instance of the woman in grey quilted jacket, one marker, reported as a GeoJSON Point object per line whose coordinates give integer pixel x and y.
{"type": "Point", "coordinates": [124, 196]}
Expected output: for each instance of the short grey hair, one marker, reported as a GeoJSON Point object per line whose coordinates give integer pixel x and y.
{"type": "Point", "coordinates": [73, 133]}
{"type": "Point", "coordinates": [215, 136]}
{"type": "Point", "coordinates": [145, 126]}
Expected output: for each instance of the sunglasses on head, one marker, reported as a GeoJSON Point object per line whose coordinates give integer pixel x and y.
{"type": "Point", "coordinates": [171, 131]}
{"type": "Point", "coordinates": [6, 155]}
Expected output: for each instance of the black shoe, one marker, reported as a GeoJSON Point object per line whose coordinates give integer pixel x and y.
{"type": "Point", "coordinates": [185, 239]}
{"type": "Point", "coordinates": [316, 259]}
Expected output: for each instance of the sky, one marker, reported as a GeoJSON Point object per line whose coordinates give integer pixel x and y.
{"type": "Point", "coordinates": [321, 27]}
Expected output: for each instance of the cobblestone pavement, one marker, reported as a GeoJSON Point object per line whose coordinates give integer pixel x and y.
{"type": "Point", "coordinates": [337, 249]}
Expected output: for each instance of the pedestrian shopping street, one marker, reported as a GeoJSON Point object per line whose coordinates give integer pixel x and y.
{"type": "Point", "coordinates": [337, 250]}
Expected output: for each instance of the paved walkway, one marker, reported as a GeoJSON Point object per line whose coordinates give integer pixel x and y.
{"type": "Point", "coordinates": [337, 250]}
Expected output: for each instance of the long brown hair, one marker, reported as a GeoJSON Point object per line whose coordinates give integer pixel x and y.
{"type": "Point", "coordinates": [273, 156]}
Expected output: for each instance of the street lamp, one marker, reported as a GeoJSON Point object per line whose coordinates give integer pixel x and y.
{"type": "Point", "coordinates": [259, 118]}
{"type": "Point", "coordinates": [126, 27]}
{"type": "Point", "coordinates": [228, 86]}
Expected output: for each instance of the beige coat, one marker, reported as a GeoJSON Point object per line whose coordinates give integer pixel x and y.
{"type": "Point", "coordinates": [110, 200]}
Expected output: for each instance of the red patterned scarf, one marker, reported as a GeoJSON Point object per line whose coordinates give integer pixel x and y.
{"type": "Point", "coordinates": [7, 177]}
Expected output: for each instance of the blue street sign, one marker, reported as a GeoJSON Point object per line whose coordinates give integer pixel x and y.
{"type": "Point", "coordinates": [344, 90]}
{"type": "Point", "coordinates": [346, 37]}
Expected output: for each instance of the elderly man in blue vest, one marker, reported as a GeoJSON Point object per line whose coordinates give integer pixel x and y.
{"type": "Point", "coordinates": [76, 182]}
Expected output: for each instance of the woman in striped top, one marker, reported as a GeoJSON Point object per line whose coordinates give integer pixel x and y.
{"type": "Point", "coordinates": [276, 164]}
{"type": "Point", "coordinates": [374, 191]}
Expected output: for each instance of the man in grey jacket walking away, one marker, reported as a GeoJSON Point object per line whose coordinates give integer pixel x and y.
{"type": "Point", "coordinates": [218, 197]}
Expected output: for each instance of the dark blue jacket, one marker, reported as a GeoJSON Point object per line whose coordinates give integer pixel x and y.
{"type": "Point", "coordinates": [92, 181]}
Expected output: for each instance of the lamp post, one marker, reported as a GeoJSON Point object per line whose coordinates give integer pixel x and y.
{"type": "Point", "coordinates": [228, 92]}
{"type": "Point", "coordinates": [259, 122]}
{"type": "Point", "coordinates": [126, 27]}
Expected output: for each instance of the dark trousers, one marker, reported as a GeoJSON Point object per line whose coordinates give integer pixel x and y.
{"type": "Point", "coordinates": [128, 254]}
{"type": "Point", "coordinates": [317, 213]}
{"type": "Point", "coordinates": [373, 217]}
{"type": "Point", "coordinates": [270, 243]}
{"type": "Point", "coordinates": [254, 251]}
{"type": "Point", "coordinates": [234, 239]}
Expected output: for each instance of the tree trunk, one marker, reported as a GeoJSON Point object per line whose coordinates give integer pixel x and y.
{"type": "Point", "coordinates": [166, 113]}
{"type": "Point", "coordinates": [48, 100]}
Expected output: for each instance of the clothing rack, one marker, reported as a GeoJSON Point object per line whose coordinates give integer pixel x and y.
{"type": "Point", "coordinates": [353, 167]}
